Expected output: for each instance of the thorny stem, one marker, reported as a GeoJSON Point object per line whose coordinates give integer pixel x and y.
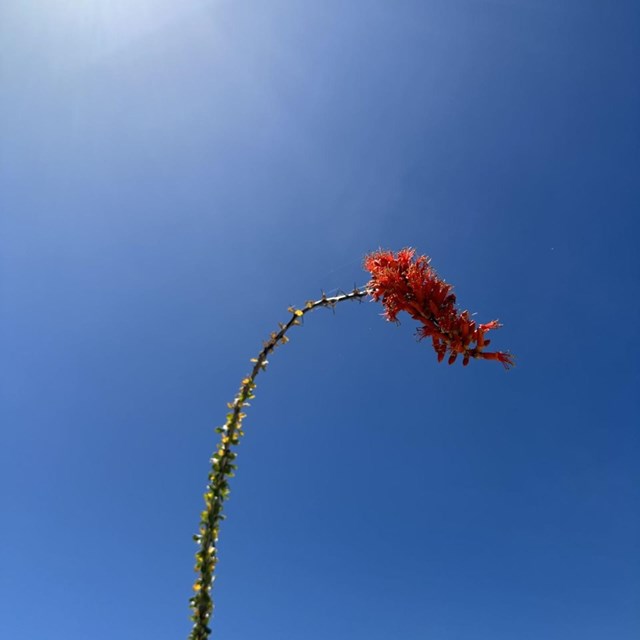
{"type": "Point", "coordinates": [222, 467]}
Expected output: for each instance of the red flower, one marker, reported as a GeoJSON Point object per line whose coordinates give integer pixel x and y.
{"type": "Point", "coordinates": [405, 284]}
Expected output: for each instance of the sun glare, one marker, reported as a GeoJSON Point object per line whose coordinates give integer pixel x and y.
{"type": "Point", "coordinates": [100, 27]}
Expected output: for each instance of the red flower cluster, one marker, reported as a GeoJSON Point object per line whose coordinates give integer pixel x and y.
{"type": "Point", "coordinates": [405, 284]}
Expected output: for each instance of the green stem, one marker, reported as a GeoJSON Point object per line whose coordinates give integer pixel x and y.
{"type": "Point", "coordinates": [222, 467]}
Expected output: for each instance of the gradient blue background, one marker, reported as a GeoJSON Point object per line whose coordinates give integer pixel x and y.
{"type": "Point", "coordinates": [174, 175]}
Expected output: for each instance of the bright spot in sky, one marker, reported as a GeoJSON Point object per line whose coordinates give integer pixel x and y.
{"type": "Point", "coordinates": [93, 29]}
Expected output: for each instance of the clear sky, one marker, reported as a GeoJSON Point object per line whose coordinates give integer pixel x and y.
{"type": "Point", "coordinates": [174, 175]}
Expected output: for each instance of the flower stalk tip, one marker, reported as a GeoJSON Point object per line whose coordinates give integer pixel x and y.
{"type": "Point", "coordinates": [405, 283]}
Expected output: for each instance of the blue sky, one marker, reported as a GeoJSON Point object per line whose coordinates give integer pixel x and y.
{"type": "Point", "coordinates": [174, 175]}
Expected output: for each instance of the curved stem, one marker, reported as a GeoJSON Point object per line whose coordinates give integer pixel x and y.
{"type": "Point", "coordinates": [222, 467]}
